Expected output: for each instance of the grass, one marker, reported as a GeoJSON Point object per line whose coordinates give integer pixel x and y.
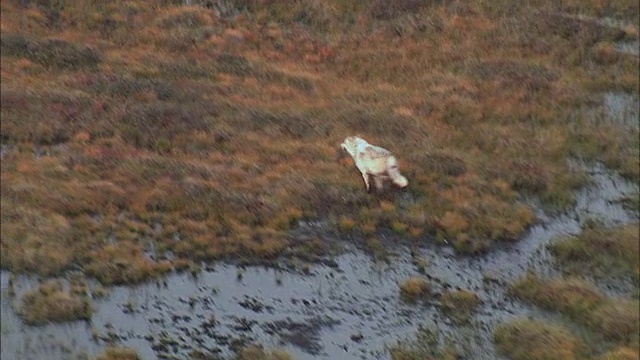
{"type": "Point", "coordinates": [426, 346]}
{"type": "Point", "coordinates": [257, 353]}
{"type": "Point", "coordinates": [614, 319]}
{"type": "Point", "coordinates": [118, 353]}
{"type": "Point", "coordinates": [131, 122]}
{"type": "Point", "coordinates": [51, 303]}
{"type": "Point", "coordinates": [459, 305]}
{"type": "Point", "coordinates": [415, 288]}
{"type": "Point", "coordinates": [600, 251]}
{"type": "Point", "coordinates": [524, 339]}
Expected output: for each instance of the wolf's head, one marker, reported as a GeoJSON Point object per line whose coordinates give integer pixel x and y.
{"type": "Point", "coordinates": [352, 143]}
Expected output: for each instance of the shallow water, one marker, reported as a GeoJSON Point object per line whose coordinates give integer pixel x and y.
{"type": "Point", "coordinates": [313, 316]}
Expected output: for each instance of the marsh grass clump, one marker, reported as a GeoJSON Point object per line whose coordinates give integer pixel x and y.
{"type": "Point", "coordinates": [459, 305]}
{"type": "Point", "coordinates": [523, 339]}
{"type": "Point", "coordinates": [600, 251]}
{"type": "Point", "coordinates": [118, 353]}
{"type": "Point", "coordinates": [616, 319]}
{"type": "Point", "coordinates": [258, 353]}
{"type": "Point", "coordinates": [52, 303]}
{"type": "Point", "coordinates": [425, 346]}
{"type": "Point", "coordinates": [414, 289]}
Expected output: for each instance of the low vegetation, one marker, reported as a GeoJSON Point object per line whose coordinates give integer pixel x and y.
{"type": "Point", "coordinates": [52, 303]}
{"type": "Point", "coordinates": [524, 339]}
{"type": "Point", "coordinates": [613, 319]}
{"type": "Point", "coordinates": [426, 346]}
{"type": "Point", "coordinates": [459, 305]}
{"type": "Point", "coordinates": [258, 353]}
{"type": "Point", "coordinates": [415, 288]}
{"type": "Point", "coordinates": [118, 353]}
{"type": "Point", "coordinates": [600, 251]}
{"type": "Point", "coordinates": [160, 134]}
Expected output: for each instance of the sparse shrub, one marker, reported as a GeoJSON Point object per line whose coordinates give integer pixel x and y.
{"type": "Point", "coordinates": [523, 339]}
{"type": "Point", "coordinates": [459, 304]}
{"type": "Point", "coordinates": [415, 288]}
{"type": "Point", "coordinates": [51, 303]}
{"type": "Point", "coordinates": [118, 353]}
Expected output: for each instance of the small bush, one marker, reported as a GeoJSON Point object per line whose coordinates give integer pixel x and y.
{"type": "Point", "coordinates": [523, 339]}
{"type": "Point", "coordinates": [50, 303]}
{"type": "Point", "coordinates": [415, 288]}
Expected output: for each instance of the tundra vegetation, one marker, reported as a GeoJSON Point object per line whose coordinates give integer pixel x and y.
{"type": "Point", "coordinates": [592, 325]}
{"type": "Point", "coordinates": [144, 136]}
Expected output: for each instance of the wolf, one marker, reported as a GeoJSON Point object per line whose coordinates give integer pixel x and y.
{"type": "Point", "coordinates": [374, 161]}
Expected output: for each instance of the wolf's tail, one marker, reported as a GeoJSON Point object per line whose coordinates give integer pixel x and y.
{"type": "Point", "coordinates": [394, 173]}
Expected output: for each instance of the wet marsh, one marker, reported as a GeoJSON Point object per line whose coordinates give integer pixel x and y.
{"type": "Point", "coordinates": [169, 173]}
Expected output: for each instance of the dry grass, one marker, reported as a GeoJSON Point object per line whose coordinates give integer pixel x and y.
{"type": "Point", "coordinates": [415, 288]}
{"type": "Point", "coordinates": [118, 353]}
{"type": "Point", "coordinates": [615, 319]}
{"type": "Point", "coordinates": [426, 346]}
{"type": "Point", "coordinates": [523, 339]}
{"type": "Point", "coordinates": [459, 305]}
{"type": "Point", "coordinates": [599, 251]}
{"type": "Point", "coordinates": [257, 353]}
{"type": "Point", "coordinates": [51, 303]}
{"type": "Point", "coordinates": [130, 122]}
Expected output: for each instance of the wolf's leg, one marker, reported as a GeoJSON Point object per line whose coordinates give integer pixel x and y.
{"type": "Point", "coordinates": [365, 176]}
{"type": "Point", "coordinates": [379, 184]}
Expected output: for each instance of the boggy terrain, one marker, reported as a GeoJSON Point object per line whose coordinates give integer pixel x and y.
{"type": "Point", "coordinates": [141, 139]}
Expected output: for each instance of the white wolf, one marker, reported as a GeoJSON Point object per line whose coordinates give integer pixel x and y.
{"type": "Point", "coordinates": [374, 161]}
